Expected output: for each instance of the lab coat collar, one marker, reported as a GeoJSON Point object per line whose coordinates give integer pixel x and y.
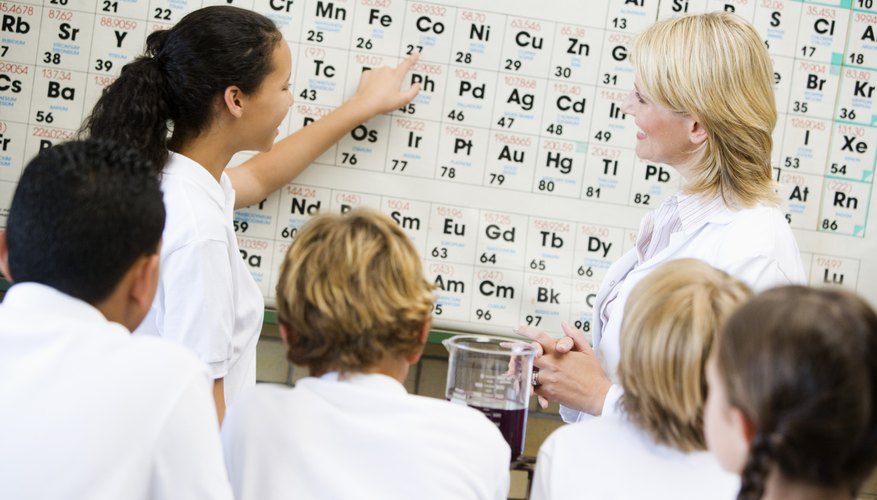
{"type": "Point", "coordinates": [696, 211]}
{"type": "Point", "coordinates": [373, 381]}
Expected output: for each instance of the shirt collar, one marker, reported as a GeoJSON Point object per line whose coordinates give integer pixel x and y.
{"type": "Point", "coordinates": [179, 165]}
{"type": "Point", "coordinates": [695, 211]}
{"type": "Point", "coordinates": [36, 299]}
{"type": "Point", "coordinates": [374, 381]}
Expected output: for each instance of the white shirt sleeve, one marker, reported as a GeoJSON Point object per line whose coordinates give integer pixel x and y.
{"type": "Point", "coordinates": [188, 454]}
{"type": "Point", "coordinates": [198, 302]}
{"type": "Point", "coordinates": [541, 487]}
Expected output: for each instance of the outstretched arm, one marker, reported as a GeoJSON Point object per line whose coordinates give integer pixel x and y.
{"type": "Point", "coordinates": [378, 92]}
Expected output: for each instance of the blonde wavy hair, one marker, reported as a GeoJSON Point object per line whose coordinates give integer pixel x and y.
{"type": "Point", "coordinates": [351, 293]}
{"type": "Point", "coordinates": [715, 67]}
{"type": "Point", "coordinates": [670, 323]}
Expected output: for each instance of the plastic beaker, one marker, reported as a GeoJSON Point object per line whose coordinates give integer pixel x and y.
{"type": "Point", "coordinates": [492, 374]}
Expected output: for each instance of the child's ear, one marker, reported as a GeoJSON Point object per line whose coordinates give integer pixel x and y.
{"type": "Point", "coordinates": [423, 336]}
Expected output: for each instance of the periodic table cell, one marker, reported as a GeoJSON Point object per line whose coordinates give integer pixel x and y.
{"type": "Point", "coordinates": [242, 4]}
{"type": "Point", "coordinates": [16, 89]}
{"type": "Point", "coordinates": [610, 125]}
{"type": "Point", "coordinates": [857, 99]}
{"type": "Point", "coordinates": [560, 166]}
{"type": "Point", "coordinates": [454, 289]}
{"type": "Point", "coordinates": [12, 138]}
{"type": "Point", "coordinates": [584, 292]}
{"type": "Point", "coordinates": [527, 47]}
{"type": "Point", "coordinates": [550, 246]}
{"type": "Point", "coordinates": [502, 240]}
{"type": "Point", "coordinates": [258, 255]}
{"type": "Point", "coordinates": [799, 193]}
{"type": "Point", "coordinates": [171, 11]}
{"type": "Point", "coordinates": [568, 109]}
{"type": "Point", "coordinates": [511, 161]}
{"type": "Point", "coordinates": [302, 114]}
{"type": "Point", "coordinates": [429, 29]}
{"type": "Point", "coordinates": [822, 33]}
{"type": "Point", "coordinates": [281, 248]}
{"type": "Point", "coordinates": [805, 144]}
{"type": "Point", "coordinates": [545, 301]}
{"type": "Point", "coordinates": [651, 184]}
{"type": "Point", "coordinates": [615, 69]}
{"type": "Point", "coordinates": [608, 174]}
{"type": "Point", "coordinates": [576, 54]}
{"type": "Point", "coordinates": [826, 270]}
{"type": "Point", "coordinates": [117, 41]}
{"type": "Point", "coordinates": [814, 89]}
{"type": "Point", "coordinates": [258, 220]}
{"type": "Point", "coordinates": [365, 147]}
{"type": "Point", "coordinates": [862, 43]}
{"type": "Point", "coordinates": [327, 23]}
{"type": "Point", "coordinates": [782, 81]}
{"type": "Point", "coordinates": [476, 40]}
{"type": "Point", "coordinates": [597, 247]}
{"type": "Point", "coordinates": [852, 152]}
{"type": "Point", "coordinates": [521, 100]}
{"type": "Point", "coordinates": [40, 137]}
{"type": "Point", "coordinates": [462, 154]}
{"type": "Point", "coordinates": [632, 16]}
{"type": "Point", "coordinates": [59, 98]}
{"type": "Point", "coordinates": [320, 75]}
{"type": "Point", "coordinates": [19, 32]}
{"type": "Point", "coordinates": [377, 26]}
{"type": "Point", "coordinates": [65, 40]}
{"type": "Point", "coordinates": [497, 297]}
{"type": "Point", "coordinates": [344, 201]}
{"type": "Point", "coordinates": [844, 207]}
{"type": "Point", "coordinates": [412, 216]}
{"type": "Point", "coordinates": [469, 94]}
{"type": "Point", "coordinates": [777, 22]}
{"type": "Point", "coordinates": [358, 62]}
{"type": "Point", "coordinates": [297, 205]}
{"type": "Point", "coordinates": [428, 104]}
{"type": "Point", "coordinates": [452, 232]}
{"type": "Point", "coordinates": [413, 145]}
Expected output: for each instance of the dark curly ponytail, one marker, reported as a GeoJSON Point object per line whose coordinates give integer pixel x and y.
{"type": "Point", "coordinates": [175, 84]}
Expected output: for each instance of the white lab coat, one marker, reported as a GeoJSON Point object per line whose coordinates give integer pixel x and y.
{"type": "Point", "coordinates": [755, 245]}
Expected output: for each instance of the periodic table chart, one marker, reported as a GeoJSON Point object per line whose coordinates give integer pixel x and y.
{"type": "Point", "coordinates": [513, 171]}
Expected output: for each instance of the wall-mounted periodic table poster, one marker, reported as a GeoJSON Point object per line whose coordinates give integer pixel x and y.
{"type": "Point", "coordinates": [513, 171]}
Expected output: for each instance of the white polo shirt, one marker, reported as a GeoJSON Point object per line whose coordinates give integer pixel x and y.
{"type": "Point", "coordinates": [361, 437]}
{"type": "Point", "coordinates": [610, 458]}
{"type": "Point", "coordinates": [207, 300]}
{"type": "Point", "coordinates": [89, 412]}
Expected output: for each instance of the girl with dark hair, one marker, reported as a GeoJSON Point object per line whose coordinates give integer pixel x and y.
{"type": "Point", "coordinates": [215, 84]}
{"type": "Point", "coordinates": [792, 402]}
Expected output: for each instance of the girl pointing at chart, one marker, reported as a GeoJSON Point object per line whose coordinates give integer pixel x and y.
{"type": "Point", "coordinates": [219, 81]}
{"type": "Point", "coordinates": [703, 103]}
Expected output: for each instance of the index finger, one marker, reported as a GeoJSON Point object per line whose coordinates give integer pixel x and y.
{"type": "Point", "coordinates": [408, 63]}
{"type": "Point", "coordinates": [543, 339]}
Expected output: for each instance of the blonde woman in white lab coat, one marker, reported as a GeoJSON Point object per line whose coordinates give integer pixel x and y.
{"type": "Point", "coordinates": [703, 103]}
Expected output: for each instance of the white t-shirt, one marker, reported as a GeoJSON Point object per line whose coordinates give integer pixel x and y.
{"type": "Point", "coordinates": [206, 300]}
{"type": "Point", "coordinates": [88, 412]}
{"type": "Point", "coordinates": [363, 437]}
{"type": "Point", "coordinates": [609, 458]}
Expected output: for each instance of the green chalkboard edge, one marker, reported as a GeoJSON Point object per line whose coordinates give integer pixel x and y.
{"type": "Point", "coordinates": [435, 336]}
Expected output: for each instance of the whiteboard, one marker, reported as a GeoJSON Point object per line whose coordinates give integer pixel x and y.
{"type": "Point", "coordinates": [513, 171]}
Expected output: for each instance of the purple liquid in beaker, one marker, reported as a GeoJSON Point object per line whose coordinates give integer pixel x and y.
{"type": "Point", "coordinates": [512, 424]}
